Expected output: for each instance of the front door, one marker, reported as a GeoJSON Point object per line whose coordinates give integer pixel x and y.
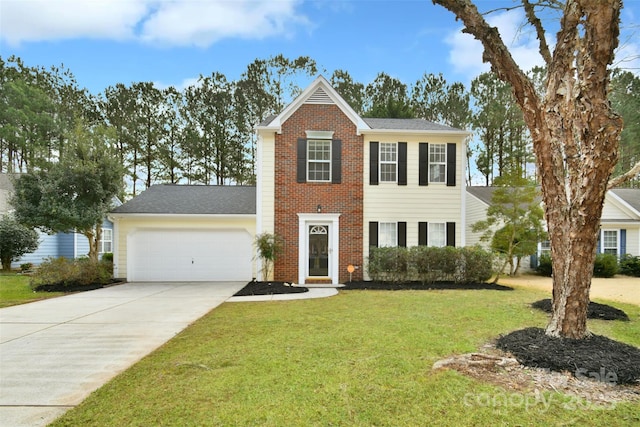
{"type": "Point", "coordinates": [319, 250]}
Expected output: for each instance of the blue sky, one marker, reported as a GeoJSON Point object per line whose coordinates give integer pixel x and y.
{"type": "Point", "coordinates": [172, 42]}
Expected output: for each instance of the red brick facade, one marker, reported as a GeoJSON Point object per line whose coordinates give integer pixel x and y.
{"type": "Point", "coordinates": [345, 198]}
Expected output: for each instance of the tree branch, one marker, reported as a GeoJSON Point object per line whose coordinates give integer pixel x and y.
{"type": "Point", "coordinates": [537, 24]}
{"type": "Point", "coordinates": [619, 180]}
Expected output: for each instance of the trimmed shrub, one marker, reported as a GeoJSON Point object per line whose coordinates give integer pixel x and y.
{"type": "Point", "coordinates": [606, 265]}
{"type": "Point", "coordinates": [388, 264]}
{"type": "Point", "coordinates": [630, 265]}
{"type": "Point", "coordinates": [67, 274]}
{"type": "Point", "coordinates": [429, 264]}
{"type": "Point", "coordinates": [477, 264]}
{"type": "Point", "coordinates": [107, 257]}
{"type": "Point", "coordinates": [544, 265]}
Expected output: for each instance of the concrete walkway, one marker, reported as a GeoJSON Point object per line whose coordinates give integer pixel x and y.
{"type": "Point", "coordinates": [55, 352]}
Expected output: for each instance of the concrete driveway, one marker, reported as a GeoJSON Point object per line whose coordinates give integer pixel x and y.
{"type": "Point", "coordinates": [54, 352]}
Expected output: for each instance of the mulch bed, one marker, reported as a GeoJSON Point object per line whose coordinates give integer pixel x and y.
{"type": "Point", "coordinates": [269, 288]}
{"type": "Point", "coordinates": [596, 357]}
{"type": "Point", "coordinates": [595, 310]}
{"type": "Point", "coordinates": [61, 287]}
{"type": "Point", "coordinates": [419, 286]}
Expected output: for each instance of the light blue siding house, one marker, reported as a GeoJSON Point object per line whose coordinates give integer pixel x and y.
{"type": "Point", "coordinates": [68, 245]}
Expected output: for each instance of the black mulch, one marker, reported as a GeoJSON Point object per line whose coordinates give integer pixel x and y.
{"type": "Point", "coordinates": [61, 287]}
{"type": "Point", "coordinates": [595, 310]}
{"type": "Point", "coordinates": [597, 357]}
{"type": "Point", "coordinates": [418, 286]}
{"type": "Point", "coordinates": [269, 288]}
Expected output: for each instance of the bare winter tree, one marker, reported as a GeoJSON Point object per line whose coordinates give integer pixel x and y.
{"type": "Point", "coordinates": [575, 135]}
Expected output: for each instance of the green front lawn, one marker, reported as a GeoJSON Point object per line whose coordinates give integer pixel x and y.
{"type": "Point", "coordinates": [362, 358]}
{"type": "Point", "coordinates": [14, 289]}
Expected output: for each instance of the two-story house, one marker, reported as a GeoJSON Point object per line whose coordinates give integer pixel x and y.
{"type": "Point", "coordinates": [332, 184]}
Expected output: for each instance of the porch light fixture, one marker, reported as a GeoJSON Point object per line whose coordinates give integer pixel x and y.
{"type": "Point", "coordinates": [319, 208]}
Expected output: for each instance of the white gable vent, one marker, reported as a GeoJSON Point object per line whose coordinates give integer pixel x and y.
{"type": "Point", "coordinates": [319, 97]}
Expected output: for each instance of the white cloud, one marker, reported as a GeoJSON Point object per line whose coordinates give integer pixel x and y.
{"type": "Point", "coordinates": [465, 55]}
{"type": "Point", "coordinates": [169, 22]}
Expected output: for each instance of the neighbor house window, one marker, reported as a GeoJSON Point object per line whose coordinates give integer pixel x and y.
{"type": "Point", "coordinates": [437, 162]}
{"type": "Point", "coordinates": [388, 162]}
{"type": "Point", "coordinates": [319, 160]}
{"type": "Point", "coordinates": [387, 234]}
{"type": "Point", "coordinates": [610, 242]}
{"type": "Point", "coordinates": [545, 247]}
{"type": "Point", "coordinates": [106, 241]}
{"type": "Point", "coordinates": [437, 234]}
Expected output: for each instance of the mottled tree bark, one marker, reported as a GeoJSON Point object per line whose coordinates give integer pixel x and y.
{"type": "Point", "coordinates": [575, 137]}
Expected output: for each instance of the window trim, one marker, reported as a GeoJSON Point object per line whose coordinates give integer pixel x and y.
{"type": "Point", "coordinates": [328, 162]}
{"type": "Point", "coordinates": [103, 240]}
{"type": "Point", "coordinates": [387, 162]}
{"type": "Point", "coordinates": [432, 163]}
{"type": "Point", "coordinates": [603, 248]}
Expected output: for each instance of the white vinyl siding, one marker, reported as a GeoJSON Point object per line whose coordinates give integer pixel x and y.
{"type": "Point", "coordinates": [319, 160]}
{"type": "Point", "coordinates": [388, 162]}
{"type": "Point", "coordinates": [437, 162]}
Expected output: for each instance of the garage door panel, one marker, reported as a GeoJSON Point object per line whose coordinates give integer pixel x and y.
{"type": "Point", "coordinates": [190, 255]}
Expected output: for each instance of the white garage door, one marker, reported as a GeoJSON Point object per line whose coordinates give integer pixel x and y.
{"type": "Point", "coordinates": [189, 255]}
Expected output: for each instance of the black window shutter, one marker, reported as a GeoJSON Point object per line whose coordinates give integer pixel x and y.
{"type": "Point", "coordinates": [451, 165]}
{"type": "Point", "coordinates": [373, 233]}
{"type": "Point", "coordinates": [451, 234]}
{"type": "Point", "coordinates": [422, 233]}
{"type": "Point", "coordinates": [423, 164]}
{"type": "Point", "coordinates": [373, 163]}
{"type": "Point", "coordinates": [301, 170]}
{"type": "Point", "coordinates": [336, 161]}
{"type": "Point", "coordinates": [402, 163]}
{"type": "Point", "coordinates": [402, 234]}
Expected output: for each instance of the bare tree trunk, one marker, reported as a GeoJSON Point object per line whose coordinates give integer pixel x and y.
{"type": "Point", "coordinates": [575, 136]}
{"type": "Point", "coordinates": [94, 236]}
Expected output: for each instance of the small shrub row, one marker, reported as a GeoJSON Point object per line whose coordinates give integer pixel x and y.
{"type": "Point", "coordinates": [630, 265]}
{"type": "Point", "coordinates": [429, 264]}
{"type": "Point", "coordinates": [606, 265]}
{"type": "Point", "coordinates": [66, 274]}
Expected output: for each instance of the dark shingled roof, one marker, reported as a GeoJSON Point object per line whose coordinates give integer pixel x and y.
{"type": "Point", "coordinates": [407, 124]}
{"type": "Point", "coordinates": [629, 195]}
{"type": "Point", "coordinates": [192, 199]}
{"type": "Point", "coordinates": [482, 193]}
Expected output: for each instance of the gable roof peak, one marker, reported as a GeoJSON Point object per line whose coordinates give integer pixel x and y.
{"type": "Point", "coordinates": [319, 91]}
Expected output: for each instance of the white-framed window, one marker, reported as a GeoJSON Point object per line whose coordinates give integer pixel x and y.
{"type": "Point", "coordinates": [106, 241]}
{"type": "Point", "coordinates": [437, 162]}
{"type": "Point", "coordinates": [319, 160]}
{"type": "Point", "coordinates": [545, 247]}
{"type": "Point", "coordinates": [387, 234]}
{"type": "Point", "coordinates": [437, 234]}
{"type": "Point", "coordinates": [609, 239]}
{"type": "Point", "coordinates": [388, 162]}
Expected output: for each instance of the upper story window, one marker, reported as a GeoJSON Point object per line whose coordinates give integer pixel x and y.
{"type": "Point", "coordinates": [106, 241]}
{"type": "Point", "coordinates": [319, 160]}
{"type": "Point", "coordinates": [437, 162]}
{"type": "Point", "coordinates": [388, 162]}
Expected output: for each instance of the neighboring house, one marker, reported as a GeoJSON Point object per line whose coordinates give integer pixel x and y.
{"type": "Point", "coordinates": [68, 245]}
{"type": "Point", "coordinates": [332, 184]}
{"type": "Point", "coordinates": [619, 226]}
{"type": "Point", "coordinates": [186, 233]}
